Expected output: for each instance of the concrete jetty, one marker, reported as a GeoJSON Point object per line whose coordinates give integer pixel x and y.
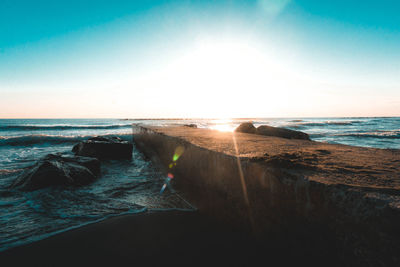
{"type": "Point", "coordinates": [343, 195]}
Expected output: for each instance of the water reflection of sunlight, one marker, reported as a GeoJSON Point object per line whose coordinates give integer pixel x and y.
{"type": "Point", "coordinates": [223, 125]}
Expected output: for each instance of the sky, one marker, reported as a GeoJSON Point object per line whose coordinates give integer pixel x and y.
{"type": "Point", "coordinates": [199, 59]}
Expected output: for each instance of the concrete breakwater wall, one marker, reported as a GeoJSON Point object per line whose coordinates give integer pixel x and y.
{"type": "Point", "coordinates": [342, 197]}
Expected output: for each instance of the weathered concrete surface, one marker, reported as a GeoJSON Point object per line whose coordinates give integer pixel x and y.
{"type": "Point", "coordinates": [346, 196]}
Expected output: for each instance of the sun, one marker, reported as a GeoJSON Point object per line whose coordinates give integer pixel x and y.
{"type": "Point", "coordinates": [223, 125]}
{"type": "Point", "coordinates": [224, 64]}
{"type": "Point", "coordinates": [220, 78]}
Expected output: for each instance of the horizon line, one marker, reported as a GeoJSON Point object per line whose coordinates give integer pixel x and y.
{"type": "Point", "coordinates": [193, 118]}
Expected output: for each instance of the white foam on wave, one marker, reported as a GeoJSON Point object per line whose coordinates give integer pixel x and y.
{"type": "Point", "coordinates": [32, 139]}
{"type": "Point", "coordinates": [38, 127]}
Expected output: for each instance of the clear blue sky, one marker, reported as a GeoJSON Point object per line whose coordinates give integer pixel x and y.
{"type": "Point", "coordinates": [199, 58]}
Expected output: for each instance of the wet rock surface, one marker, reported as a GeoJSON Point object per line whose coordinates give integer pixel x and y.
{"type": "Point", "coordinates": [104, 148]}
{"type": "Point", "coordinates": [59, 170]}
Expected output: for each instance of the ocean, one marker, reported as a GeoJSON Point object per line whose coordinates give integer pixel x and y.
{"type": "Point", "coordinates": [126, 186]}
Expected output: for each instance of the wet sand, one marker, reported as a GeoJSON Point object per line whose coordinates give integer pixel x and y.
{"type": "Point", "coordinates": [165, 239]}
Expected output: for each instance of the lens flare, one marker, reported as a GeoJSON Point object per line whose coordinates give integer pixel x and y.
{"type": "Point", "coordinates": [163, 188]}
{"type": "Point", "coordinates": [242, 180]}
{"type": "Point", "coordinates": [178, 152]}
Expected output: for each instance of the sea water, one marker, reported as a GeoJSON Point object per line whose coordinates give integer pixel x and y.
{"type": "Point", "coordinates": [126, 186]}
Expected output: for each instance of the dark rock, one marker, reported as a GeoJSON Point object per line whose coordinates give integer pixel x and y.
{"type": "Point", "coordinates": [104, 148]}
{"type": "Point", "coordinates": [281, 132]}
{"type": "Point", "coordinates": [192, 125]}
{"type": "Point", "coordinates": [246, 127]}
{"type": "Point", "coordinates": [56, 169]}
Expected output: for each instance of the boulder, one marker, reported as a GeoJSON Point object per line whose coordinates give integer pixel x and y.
{"type": "Point", "coordinates": [104, 148]}
{"type": "Point", "coordinates": [192, 125]}
{"type": "Point", "coordinates": [59, 170]}
{"type": "Point", "coordinates": [281, 132]}
{"type": "Point", "coordinates": [246, 127]}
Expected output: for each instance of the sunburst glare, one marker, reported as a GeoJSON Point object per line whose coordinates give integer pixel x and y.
{"type": "Point", "coordinates": [223, 125]}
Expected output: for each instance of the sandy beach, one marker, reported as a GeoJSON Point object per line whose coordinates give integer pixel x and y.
{"type": "Point", "coordinates": [166, 239]}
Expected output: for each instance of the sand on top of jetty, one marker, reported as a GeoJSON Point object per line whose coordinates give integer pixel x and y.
{"type": "Point", "coordinates": [340, 164]}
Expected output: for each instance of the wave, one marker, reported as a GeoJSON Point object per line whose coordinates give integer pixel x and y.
{"type": "Point", "coordinates": [63, 127]}
{"type": "Point", "coordinates": [395, 134]}
{"type": "Point", "coordinates": [324, 123]}
{"type": "Point", "coordinates": [8, 171]}
{"type": "Point", "coordinates": [342, 122]}
{"type": "Point", "coordinates": [14, 242]}
{"type": "Point", "coordinates": [317, 135]}
{"type": "Point", "coordinates": [51, 139]}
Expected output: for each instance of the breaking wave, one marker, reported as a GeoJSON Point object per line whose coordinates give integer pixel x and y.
{"type": "Point", "coordinates": [62, 127]}
{"type": "Point", "coordinates": [327, 123]}
{"type": "Point", "coordinates": [48, 139]}
{"type": "Point", "coordinates": [395, 134]}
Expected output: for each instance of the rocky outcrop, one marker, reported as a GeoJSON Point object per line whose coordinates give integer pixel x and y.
{"type": "Point", "coordinates": [59, 170]}
{"type": "Point", "coordinates": [104, 148]}
{"type": "Point", "coordinates": [281, 132]}
{"type": "Point", "coordinates": [246, 127]}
